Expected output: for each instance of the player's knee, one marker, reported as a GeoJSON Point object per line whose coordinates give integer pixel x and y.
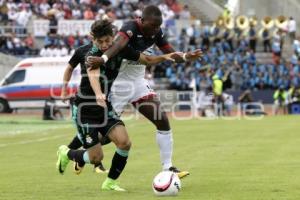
{"type": "Point", "coordinates": [124, 145]}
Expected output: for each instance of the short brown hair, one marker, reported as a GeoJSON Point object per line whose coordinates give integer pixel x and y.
{"type": "Point", "coordinates": [101, 28]}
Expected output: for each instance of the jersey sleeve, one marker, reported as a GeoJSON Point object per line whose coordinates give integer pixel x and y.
{"type": "Point", "coordinates": [128, 29]}
{"type": "Point", "coordinates": [161, 41]}
{"type": "Point", "coordinates": [75, 59]}
{"type": "Point", "coordinates": [130, 54]}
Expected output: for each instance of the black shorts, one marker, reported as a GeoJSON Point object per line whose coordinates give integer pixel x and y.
{"type": "Point", "coordinates": [94, 124]}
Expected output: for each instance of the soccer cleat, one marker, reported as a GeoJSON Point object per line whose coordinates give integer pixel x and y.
{"type": "Point", "coordinates": [100, 169]}
{"type": "Point", "coordinates": [181, 174]}
{"type": "Point", "coordinates": [77, 168]}
{"type": "Point", "coordinates": [110, 184]}
{"type": "Point", "coordinates": [63, 160]}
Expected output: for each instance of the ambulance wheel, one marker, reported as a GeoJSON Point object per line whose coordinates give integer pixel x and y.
{"type": "Point", "coordinates": [4, 107]}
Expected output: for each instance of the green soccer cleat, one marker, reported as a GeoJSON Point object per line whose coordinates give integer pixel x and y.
{"type": "Point", "coordinates": [110, 184]}
{"type": "Point", "coordinates": [63, 160]}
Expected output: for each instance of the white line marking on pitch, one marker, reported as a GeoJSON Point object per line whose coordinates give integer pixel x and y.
{"type": "Point", "coordinates": [45, 139]}
{"type": "Point", "coordinates": [33, 141]}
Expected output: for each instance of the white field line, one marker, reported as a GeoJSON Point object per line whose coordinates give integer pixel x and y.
{"type": "Point", "coordinates": [26, 131]}
{"type": "Point", "coordinates": [45, 138]}
{"type": "Point", "coordinates": [34, 141]}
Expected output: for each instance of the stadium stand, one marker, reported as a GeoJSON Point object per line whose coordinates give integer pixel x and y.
{"type": "Point", "coordinates": [255, 67]}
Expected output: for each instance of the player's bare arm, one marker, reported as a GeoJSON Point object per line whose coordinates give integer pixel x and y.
{"type": "Point", "coordinates": [180, 58]}
{"type": "Point", "coordinates": [66, 79]}
{"type": "Point", "coordinates": [152, 60]}
{"type": "Point", "coordinates": [94, 75]}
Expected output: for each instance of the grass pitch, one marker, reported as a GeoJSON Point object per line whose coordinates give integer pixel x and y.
{"type": "Point", "coordinates": [228, 160]}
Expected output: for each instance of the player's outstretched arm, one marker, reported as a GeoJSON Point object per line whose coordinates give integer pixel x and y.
{"type": "Point", "coordinates": [168, 48]}
{"type": "Point", "coordinates": [152, 60]}
{"type": "Point", "coordinates": [188, 56]}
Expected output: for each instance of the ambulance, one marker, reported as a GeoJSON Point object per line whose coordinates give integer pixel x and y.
{"type": "Point", "coordinates": [33, 81]}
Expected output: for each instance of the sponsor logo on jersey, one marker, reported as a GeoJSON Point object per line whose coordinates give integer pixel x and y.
{"type": "Point", "coordinates": [139, 36]}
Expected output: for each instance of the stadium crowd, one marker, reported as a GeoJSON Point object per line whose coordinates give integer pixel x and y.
{"type": "Point", "coordinates": [230, 58]}
{"type": "Point", "coordinates": [15, 15]}
{"type": "Point", "coordinates": [233, 61]}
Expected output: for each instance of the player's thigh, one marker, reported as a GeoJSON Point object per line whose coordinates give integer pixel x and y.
{"type": "Point", "coordinates": [118, 135]}
{"type": "Point", "coordinates": [153, 111]}
{"type": "Point", "coordinates": [122, 92]}
{"type": "Point", "coordinates": [89, 129]}
{"type": "Point", "coordinates": [142, 90]}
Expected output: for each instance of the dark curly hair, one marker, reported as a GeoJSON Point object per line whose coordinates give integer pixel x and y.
{"type": "Point", "coordinates": [102, 28]}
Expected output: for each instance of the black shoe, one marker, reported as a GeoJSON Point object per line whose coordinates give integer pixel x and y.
{"type": "Point", "coordinates": [100, 169]}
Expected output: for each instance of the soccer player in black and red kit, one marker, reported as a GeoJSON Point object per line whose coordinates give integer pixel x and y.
{"type": "Point", "coordinates": [141, 34]}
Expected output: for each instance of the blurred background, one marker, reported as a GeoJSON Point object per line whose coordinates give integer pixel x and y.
{"type": "Point", "coordinates": [251, 49]}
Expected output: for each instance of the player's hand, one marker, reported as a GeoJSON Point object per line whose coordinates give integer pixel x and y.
{"type": "Point", "coordinates": [64, 94]}
{"type": "Point", "coordinates": [194, 55]}
{"type": "Point", "coordinates": [176, 56]}
{"type": "Point", "coordinates": [101, 100]}
{"type": "Point", "coordinates": [94, 62]}
{"type": "Point", "coordinates": [173, 56]}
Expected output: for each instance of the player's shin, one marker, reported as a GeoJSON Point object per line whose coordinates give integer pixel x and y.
{"type": "Point", "coordinates": [118, 163]}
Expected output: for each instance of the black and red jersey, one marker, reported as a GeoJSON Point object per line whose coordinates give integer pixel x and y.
{"type": "Point", "coordinates": [133, 31]}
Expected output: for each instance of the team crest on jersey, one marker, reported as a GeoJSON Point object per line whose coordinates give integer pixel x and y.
{"type": "Point", "coordinates": [89, 140]}
{"type": "Point", "coordinates": [129, 33]}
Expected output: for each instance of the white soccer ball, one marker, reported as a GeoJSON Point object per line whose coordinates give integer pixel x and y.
{"type": "Point", "coordinates": [166, 183]}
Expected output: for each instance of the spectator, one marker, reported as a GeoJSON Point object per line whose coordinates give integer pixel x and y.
{"type": "Point", "coordinates": [183, 40]}
{"type": "Point", "coordinates": [22, 20]}
{"type": "Point", "coordinates": [51, 111]}
{"type": "Point", "coordinates": [292, 27]}
{"type": "Point", "coordinates": [185, 13]}
{"type": "Point", "coordinates": [276, 49]}
{"type": "Point", "coordinates": [218, 91]}
{"type": "Point", "coordinates": [3, 11]}
{"type": "Point", "coordinates": [237, 78]}
{"type": "Point", "coordinates": [53, 22]}
{"type": "Point", "coordinates": [88, 14]}
{"type": "Point", "coordinates": [44, 52]}
{"type": "Point", "coordinates": [29, 41]}
{"type": "Point", "coordinates": [266, 40]}
{"type": "Point", "coordinates": [280, 100]}
{"type": "Point", "coordinates": [76, 13]}
{"type": "Point", "coordinates": [228, 103]}
{"type": "Point", "coordinates": [44, 7]}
